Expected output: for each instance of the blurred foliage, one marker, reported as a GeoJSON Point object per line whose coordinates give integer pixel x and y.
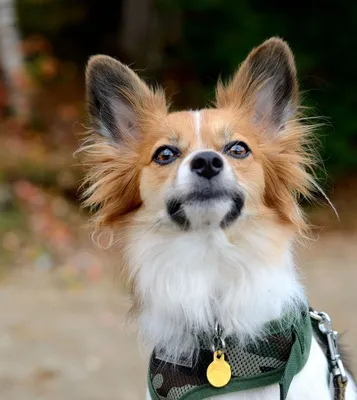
{"type": "Point", "coordinates": [191, 43]}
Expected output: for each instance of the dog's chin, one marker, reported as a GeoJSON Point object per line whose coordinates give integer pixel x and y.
{"type": "Point", "coordinates": [197, 211]}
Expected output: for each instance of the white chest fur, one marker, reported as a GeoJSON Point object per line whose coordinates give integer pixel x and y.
{"type": "Point", "coordinates": [187, 281]}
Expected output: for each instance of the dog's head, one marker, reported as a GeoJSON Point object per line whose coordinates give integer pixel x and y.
{"type": "Point", "coordinates": [198, 170]}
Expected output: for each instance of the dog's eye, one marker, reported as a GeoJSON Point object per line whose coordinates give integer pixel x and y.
{"type": "Point", "coordinates": [166, 155]}
{"type": "Point", "coordinates": [237, 149]}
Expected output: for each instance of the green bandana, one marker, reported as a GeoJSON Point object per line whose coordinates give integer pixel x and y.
{"type": "Point", "coordinates": [276, 358]}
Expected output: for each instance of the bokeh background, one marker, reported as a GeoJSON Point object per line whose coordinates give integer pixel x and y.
{"type": "Point", "coordinates": [63, 332]}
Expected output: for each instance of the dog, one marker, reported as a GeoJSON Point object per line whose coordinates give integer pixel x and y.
{"type": "Point", "coordinates": [203, 207]}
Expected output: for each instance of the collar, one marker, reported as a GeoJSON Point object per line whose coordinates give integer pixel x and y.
{"type": "Point", "coordinates": [276, 358]}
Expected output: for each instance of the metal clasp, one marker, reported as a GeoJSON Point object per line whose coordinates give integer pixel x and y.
{"type": "Point", "coordinates": [325, 327]}
{"type": "Point", "coordinates": [218, 342]}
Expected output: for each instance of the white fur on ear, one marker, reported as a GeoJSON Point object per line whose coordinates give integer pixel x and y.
{"type": "Point", "coordinates": [264, 107]}
{"type": "Point", "coordinates": [112, 89]}
{"type": "Point", "coordinates": [125, 119]}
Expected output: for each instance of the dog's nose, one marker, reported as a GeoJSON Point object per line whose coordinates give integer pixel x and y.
{"type": "Point", "coordinates": [207, 164]}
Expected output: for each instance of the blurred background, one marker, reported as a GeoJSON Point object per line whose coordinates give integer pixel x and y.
{"type": "Point", "coordinates": [63, 331]}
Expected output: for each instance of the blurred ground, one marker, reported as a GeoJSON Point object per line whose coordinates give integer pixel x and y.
{"type": "Point", "coordinates": [63, 332]}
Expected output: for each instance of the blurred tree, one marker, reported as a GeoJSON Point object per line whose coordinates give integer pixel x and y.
{"type": "Point", "coordinates": [12, 62]}
{"type": "Point", "coordinates": [134, 36]}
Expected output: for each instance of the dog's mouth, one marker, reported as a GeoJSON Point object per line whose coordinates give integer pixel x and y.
{"type": "Point", "coordinates": [203, 210]}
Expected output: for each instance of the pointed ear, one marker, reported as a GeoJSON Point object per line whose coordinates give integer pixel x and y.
{"type": "Point", "coordinates": [117, 98]}
{"type": "Point", "coordinates": [266, 84]}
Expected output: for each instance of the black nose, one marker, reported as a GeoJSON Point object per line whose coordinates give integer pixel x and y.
{"type": "Point", "coordinates": [207, 164]}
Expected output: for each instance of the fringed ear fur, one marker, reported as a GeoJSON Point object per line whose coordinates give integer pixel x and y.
{"type": "Point", "coordinates": [119, 105]}
{"type": "Point", "coordinates": [265, 84]}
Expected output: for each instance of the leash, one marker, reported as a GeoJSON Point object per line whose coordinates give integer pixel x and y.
{"type": "Point", "coordinates": [323, 328]}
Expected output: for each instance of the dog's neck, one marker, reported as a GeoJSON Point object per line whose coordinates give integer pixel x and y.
{"type": "Point", "coordinates": [188, 281]}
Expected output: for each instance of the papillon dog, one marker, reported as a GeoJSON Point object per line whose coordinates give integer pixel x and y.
{"type": "Point", "coordinates": [203, 206]}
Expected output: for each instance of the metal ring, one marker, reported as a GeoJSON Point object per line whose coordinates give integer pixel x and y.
{"type": "Point", "coordinates": [315, 315]}
{"type": "Point", "coordinates": [325, 325]}
{"type": "Point", "coordinates": [214, 346]}
{"type": "Point", "coordinates": [223, 344]}
{"type": "Point", "coordinates": [218, 342]}
{"type": "Point", "coordinates": [323, 319]}
{"type": "Point", "coordinates": [217, 329]}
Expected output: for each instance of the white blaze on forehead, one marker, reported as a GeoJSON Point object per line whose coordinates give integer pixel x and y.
{"type": "Point", "coordinates": [197, 123]}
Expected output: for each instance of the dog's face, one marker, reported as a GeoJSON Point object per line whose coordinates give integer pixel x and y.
{"type": "Point", "coordinates": [204, 171]}
{"type": "Point", "coordinates": [198, 170]}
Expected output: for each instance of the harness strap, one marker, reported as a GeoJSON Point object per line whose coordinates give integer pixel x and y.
{"type": "Point", "coordinates": [301, 337]}
{"type": "Point", "coordinates": [291, 368]}
{"type": "Point", "coordinates": [161, 375]}
{"type": "Point", "coordinates": [297, 359]}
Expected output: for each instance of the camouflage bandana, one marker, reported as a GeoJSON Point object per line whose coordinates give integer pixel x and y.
{"type": "Point", "coordinates": [276, 358]}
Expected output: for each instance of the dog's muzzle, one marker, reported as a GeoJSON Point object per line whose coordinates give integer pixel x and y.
{"type": "Point", "coordinates": [205, 194]}
{"type": "Point", "coordinates": [205, 208]}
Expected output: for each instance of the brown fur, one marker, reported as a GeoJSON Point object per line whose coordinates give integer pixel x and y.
{"type": "Point", "coordinates": [121, 176]}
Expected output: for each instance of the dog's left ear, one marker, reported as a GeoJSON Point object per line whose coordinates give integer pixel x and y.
{"type": "Point", "coordinates": [265, 85]}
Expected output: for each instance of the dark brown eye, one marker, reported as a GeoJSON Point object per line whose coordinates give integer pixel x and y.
{"type": "Point", "coordinates": [237, 149]}
{"type": "Point", "coordinates": [166, 155]}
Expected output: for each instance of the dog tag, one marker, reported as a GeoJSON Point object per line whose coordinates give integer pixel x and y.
{"type": "Point", "coordinates": [219, 371]}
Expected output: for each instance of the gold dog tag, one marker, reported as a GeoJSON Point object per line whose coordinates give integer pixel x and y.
{"type": "Point", "coordinates": [219, 371]}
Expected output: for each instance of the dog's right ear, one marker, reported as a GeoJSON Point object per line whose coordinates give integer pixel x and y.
{"type": "Point", "coordinates": [117, 99]}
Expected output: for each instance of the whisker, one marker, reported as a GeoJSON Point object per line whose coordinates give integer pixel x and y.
{"type": "Point", "coordinates": [151, 227]}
